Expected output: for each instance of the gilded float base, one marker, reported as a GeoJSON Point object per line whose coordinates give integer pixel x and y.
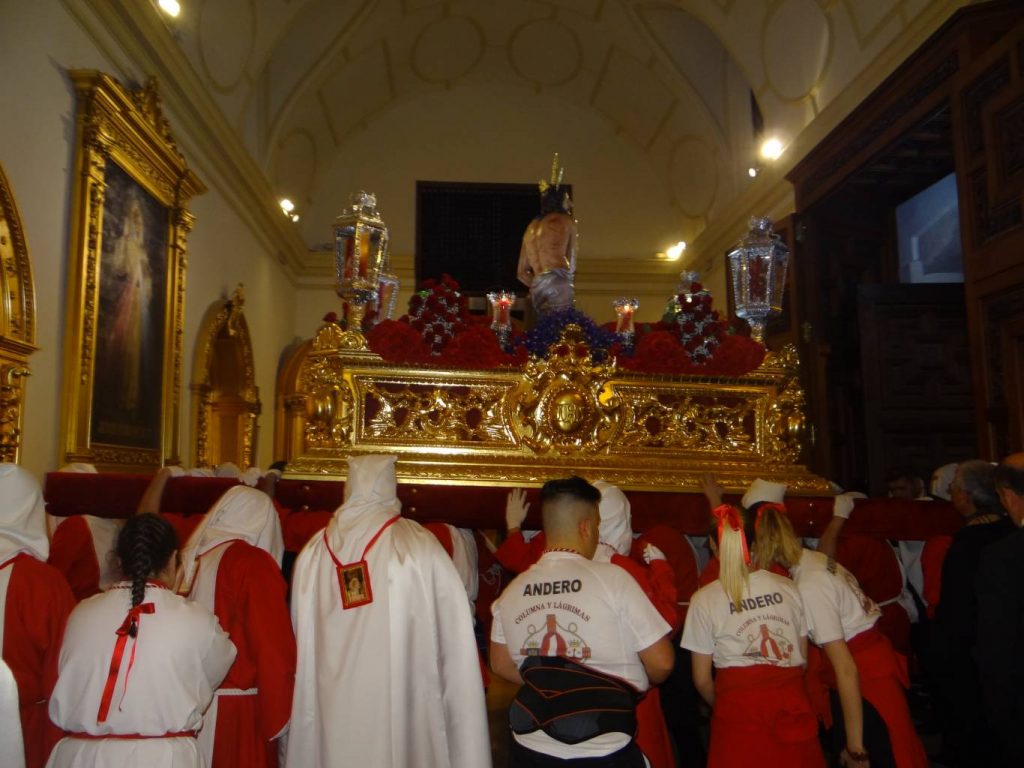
{"type": "Point", "coordinates": [556, 416]}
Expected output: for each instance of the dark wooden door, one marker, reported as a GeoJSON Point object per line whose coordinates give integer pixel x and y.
{"type": "Point", "coordinates": [918, 399]}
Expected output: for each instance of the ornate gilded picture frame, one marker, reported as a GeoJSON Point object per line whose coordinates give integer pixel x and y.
{"type": "Point", "coordinates": [126, 289]}
{"type": "Point", "coordinates": [17, 322]}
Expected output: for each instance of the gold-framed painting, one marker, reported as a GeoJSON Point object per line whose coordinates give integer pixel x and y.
{"type": "Point", "coordinates": [126, 289]}
{"type": "Point", "coordinates": [17, 322]}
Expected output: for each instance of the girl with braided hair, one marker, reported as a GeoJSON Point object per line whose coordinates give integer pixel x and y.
{"type": "Point", "coordinates": [855, 659]}
{"type": "Point", "coordinates": [749, 625]}
{"type": "Point", "coordinates": [139, 664]}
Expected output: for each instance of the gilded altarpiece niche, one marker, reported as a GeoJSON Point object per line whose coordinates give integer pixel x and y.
{"type": "Point", "coordinates": [225, 398]}
{"type": "Point", "coordinates": [126, 289]}
{"type": "Point", "coordinates": [17, 323]}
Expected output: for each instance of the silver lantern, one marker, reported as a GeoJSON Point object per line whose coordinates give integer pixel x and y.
{"type": "Point", "coordinates": [758, 268]}
{"type": "Point", "coordinates": [360, 253]}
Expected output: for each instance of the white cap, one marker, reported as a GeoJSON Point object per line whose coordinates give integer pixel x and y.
{"type": "Point", "coordinates": [763, 490]}
{"type": "Point", "coordinates": [941, 480]}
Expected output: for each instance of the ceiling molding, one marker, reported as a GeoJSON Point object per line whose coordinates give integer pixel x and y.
{"type": "Point", "coordinates": [214, 146]}
{"type": "Point", "coordinates": [770, 194]}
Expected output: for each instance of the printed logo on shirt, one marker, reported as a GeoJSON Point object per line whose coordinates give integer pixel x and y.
{"type": "Point", "coordinates": [760, 601]}
{"type": "Point", "coordinates": [563, 587]}
{"type": "Point", "coordinates": [768, 647]}
{"type": "Point", "coordinates": [553, 639]}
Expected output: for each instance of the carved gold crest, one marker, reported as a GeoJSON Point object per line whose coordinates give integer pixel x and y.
{"type": "Point", "coordinates": [565, 403]}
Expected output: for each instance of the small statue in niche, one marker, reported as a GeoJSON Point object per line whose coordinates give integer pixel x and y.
{"type": "Point", "coordinates": [547, 259]}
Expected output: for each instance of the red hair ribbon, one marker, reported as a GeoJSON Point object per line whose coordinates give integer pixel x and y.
{"type": "Point", "coordinates": [768, 505]}
{"type": "Point", "coordinates": [726, 513]}
{"type": "Point", "coordinates": [134, 618]}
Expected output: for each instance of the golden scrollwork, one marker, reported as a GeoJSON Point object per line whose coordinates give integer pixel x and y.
{"type": "Point", "coordinates": [690, 421]}
{"type": "Point", "coordinates": [556, 416]}
{"type": "Point", "coordinates": [123, 133]}
{"type": "Point", "coordinates": [329, 404]}
{"type": "Point", "coordinates": [432, 413]}
{"type": "Point", "coordinates": [17, 322]}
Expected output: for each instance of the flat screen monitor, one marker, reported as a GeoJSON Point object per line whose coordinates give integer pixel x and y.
{"type": "Point", "coordinates": [928, 234]}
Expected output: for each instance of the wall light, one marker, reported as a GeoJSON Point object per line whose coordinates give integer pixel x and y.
{"type": "Point", "coordinates": [675, 252]}
{"type": "Point", "coordinates": [286, 205]}
{"type": "Point", "coordinates": [771, 149]}
{"type": "Point", "coordinates": [752, 172]}
{"type": "Point", "coordinates": [171, 7]}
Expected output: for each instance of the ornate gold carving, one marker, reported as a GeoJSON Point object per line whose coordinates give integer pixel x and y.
{"type": "Point", "coordinates": [557, 416]}
{"type": "Point", "coordinates": [17, 322]}
{"type": "Point", "coordinates": [11, 394]}
{"type": "Point", "coordinates": [565, 403]}
{"type": "Point", "coordinates": [435, 414]}
{"type": "Point", "coordinates": [224, 325]}
{"type": "Point", "coordinates": [125, 127]}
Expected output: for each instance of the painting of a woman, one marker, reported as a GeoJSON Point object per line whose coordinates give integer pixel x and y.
{"type": "Point", "coordinates": [129, 342]}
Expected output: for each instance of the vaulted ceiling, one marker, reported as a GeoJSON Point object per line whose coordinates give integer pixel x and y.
{"type": "Point", "coordinates": [332, 95]}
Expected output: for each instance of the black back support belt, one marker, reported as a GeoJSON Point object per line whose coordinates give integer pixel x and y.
{"type": "Point", "coordinates": [571, 703]}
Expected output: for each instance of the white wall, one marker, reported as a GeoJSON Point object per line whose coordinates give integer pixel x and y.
{"type": "Point", "coordinates": [39, 41]}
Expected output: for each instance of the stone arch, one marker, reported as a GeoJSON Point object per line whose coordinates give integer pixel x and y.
{"type": "Point", "coordinates": [17, 322]}
{"type": "Point", "coordinates": [225, 398]}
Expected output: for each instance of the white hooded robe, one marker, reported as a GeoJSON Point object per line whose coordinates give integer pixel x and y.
{"type": "Point", "coordinates": [395, 683]}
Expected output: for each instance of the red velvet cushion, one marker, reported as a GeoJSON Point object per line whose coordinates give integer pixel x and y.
{"type": "Point", "coordinates": [109, 494]}
{"type": "Point", "coordinates": [194, 495]}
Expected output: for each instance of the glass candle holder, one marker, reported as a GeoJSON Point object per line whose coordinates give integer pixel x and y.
{"type": "Point", "coordinates": [501, 315]}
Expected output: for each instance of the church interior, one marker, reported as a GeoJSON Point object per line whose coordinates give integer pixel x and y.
{"type": "Point", "coordinates": [172, 175]}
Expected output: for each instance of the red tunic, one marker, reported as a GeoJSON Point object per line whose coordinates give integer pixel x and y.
{"type": "Point", "coordinates": [681, 557]}
{"type": "Point", "coordinates": [883, 681]}
{"type": "Point", "coordinates": [36, 609]}
{"type": "Point", "coordinates": [932, 557]}
{"type": "Point", "coordinates": [73, 553]}
{"type": "Point", "coordinates": [763, 718]}
{"type": "Point", "coordinates": [873, 563]}
{"type": "Point", "coordinates": [250, 605]}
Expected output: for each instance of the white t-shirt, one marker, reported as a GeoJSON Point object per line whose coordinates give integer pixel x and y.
{"type": "Point", "coordinates": [834, 604]}
{"type": "Point", "coordinates": [766, 630]}
{"type": "Point", "coordinates": [593, 613]}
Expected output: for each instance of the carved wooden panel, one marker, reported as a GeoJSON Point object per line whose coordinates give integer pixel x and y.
{"type": "Point", "coordinates": [918, 395]}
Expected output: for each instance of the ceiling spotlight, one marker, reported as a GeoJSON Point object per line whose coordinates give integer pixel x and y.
{"type": "Point", "coordinates": [675, 252]}
{"type": "Point", "coordinates": [752, 171]}
{"type": "Point", "coordinates": [287, 205]}
{"type": "Point", "coordinates": [771, 149]}
{"type": "Point", "coordinates": [171, 7]}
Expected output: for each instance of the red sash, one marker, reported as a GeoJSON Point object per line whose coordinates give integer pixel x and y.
{"type": "Point", "coordinates": [762, 717]}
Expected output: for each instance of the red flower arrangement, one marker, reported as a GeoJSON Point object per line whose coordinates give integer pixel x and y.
{"type": "Point", "coordinates": [398, 342]}
{"type": "Point", "coordinates": [438, 311]}
{"type": "Point", "coordinates": [439, 331]}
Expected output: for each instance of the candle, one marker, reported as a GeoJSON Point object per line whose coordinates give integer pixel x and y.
{"type": "Point", "coordinates": [364, 252]}
{"type": "Point", "coordinates": [625, 309]}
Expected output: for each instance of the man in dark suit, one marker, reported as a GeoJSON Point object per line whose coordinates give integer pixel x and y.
{"type": "Point", "coordinates": [1000, 640]}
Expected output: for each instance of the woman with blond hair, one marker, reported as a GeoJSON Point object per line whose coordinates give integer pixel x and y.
{"type": "Point", "coordinates": [749, 625]}
{"type": "Point", "coordinates": [856, 659]}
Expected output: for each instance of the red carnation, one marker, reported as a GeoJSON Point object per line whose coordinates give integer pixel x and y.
{"type": "Point", "coordinates": [331, 317]}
